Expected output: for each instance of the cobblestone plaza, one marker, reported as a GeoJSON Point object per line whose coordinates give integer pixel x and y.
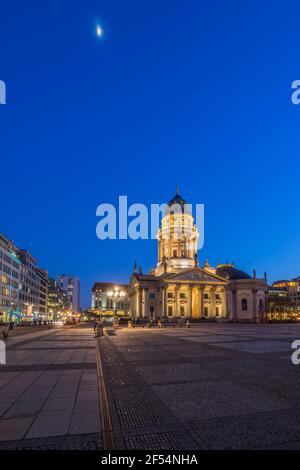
{"type": "Point", "coordinates": [213, 386]}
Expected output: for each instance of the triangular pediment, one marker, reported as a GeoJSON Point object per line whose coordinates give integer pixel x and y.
{"type": "Point", "coordinates": [195, 274]}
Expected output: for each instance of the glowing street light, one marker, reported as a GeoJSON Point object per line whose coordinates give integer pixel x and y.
{"type": "Point", "coordinates": [116, 296]}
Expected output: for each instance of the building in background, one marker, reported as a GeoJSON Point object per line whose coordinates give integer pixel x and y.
{"type": "Point", "coordinates": [33, 287]}
{"type": "Point", "coordinates": [23, 285]}
{"type": "Point", "coordinates": [71, 285]}
{"type": "Point", "coordinates": [110, 299]}
{"type": "Point", "coordinates": [9, 277]}
{"type": "Point", "coordinates": [284, 300]}
{"type": "Point", "coordinates": [58, 302]}
{"type": "Point", "coordinates": [42, 283]}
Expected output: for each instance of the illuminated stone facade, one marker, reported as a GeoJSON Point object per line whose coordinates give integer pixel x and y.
{"type": "Point", "coordinates": [179, 288]}
{"type": "Point", "coordinates": [110, 299]}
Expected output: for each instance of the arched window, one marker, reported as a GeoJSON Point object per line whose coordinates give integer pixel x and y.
{"type": "Point", "coordinates": [261, 305]}
{"type": "Point", "coordinates": [244, 305]}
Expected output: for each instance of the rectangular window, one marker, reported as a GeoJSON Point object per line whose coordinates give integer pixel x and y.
{"type": "Point", "coordinates": [5, 291]}
{"type": "Point", "coordinates": [182, 295]}
{"type": "Point", "coordinates": [170, 295]}
{"type": "Point", "coordinates": [170, 311]}
{"type": "Point", "coordinates": [151, 295]}
{"type": "Point", "coordinates": [182, 310]}
{"type": "Point", "coordinates": [206, 311]}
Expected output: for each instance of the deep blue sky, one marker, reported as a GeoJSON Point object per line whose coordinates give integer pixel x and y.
{"type": "Point", "coordinates": [195, 93]}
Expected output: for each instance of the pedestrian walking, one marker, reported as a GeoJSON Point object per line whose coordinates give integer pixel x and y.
{"type": "Point", "coordinates": [99, 329]}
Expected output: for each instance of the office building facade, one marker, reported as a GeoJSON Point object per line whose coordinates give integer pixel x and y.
{"type": "Point", "coordinates": [23, 285]}
{"type": "Point", "coordinates": [58, 301]}
{"type": "Point", "coordinates": [71, 285]}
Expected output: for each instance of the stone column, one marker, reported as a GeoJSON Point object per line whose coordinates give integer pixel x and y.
{"type": "Point", "coordinates": [265, 314]}
{"type": "Point", "coordinates": [225, 303]}
{"type": "Point", "coordinates": [136, 303]}
{"type": "Point", "coordinates": [146, 304]}
{"type": "Point", "coordinates": [176, 294]}
{"type": "Point", "coordinates": [162, 302]}
{"type": "Point", "coordinates": [201, 301]}
{"type": "Point", "coordinates": [254, 292]}
{"type": "Point", "coordinates": [140, 303]}
{"type": "Point", "coordinates": [165, 304]}
{"type": "Point", "coordinates": [213, 302]}
{"type": "Point", "coordinates": [132, 307]}
{"type": "Point", "coordinates": [234, 305]}
{"type": "Point", "coordinates": [190, 309]}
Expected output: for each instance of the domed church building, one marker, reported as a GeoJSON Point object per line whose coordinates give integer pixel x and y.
{"type": "Point", "coordinates": [179, 288]}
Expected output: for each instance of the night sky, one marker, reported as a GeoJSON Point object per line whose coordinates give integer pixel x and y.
{"type": "Point", "coordinates": [194, 93]}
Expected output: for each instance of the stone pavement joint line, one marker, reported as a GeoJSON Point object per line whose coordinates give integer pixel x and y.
{"type": "Point", "coordinates": [42, 367]}
{"type": "Point", "coordinates": [108, 436]}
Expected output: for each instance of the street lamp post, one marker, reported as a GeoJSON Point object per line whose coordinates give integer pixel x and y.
{"type": "Point", "coordinates": [116, 296]}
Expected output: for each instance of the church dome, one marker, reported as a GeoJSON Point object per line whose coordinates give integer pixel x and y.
{"type": "Point", "coordinates": [178, 201]}
{"type": "Point", "coordinates": [228, 271]}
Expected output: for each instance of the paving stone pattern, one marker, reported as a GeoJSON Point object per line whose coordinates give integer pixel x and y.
{"type": "Point", "coordinates": [209, 387]}
{"type": "Point", "coordinates": [49, 395]}
{"type": "Point", "coordinates": [214, 386]}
